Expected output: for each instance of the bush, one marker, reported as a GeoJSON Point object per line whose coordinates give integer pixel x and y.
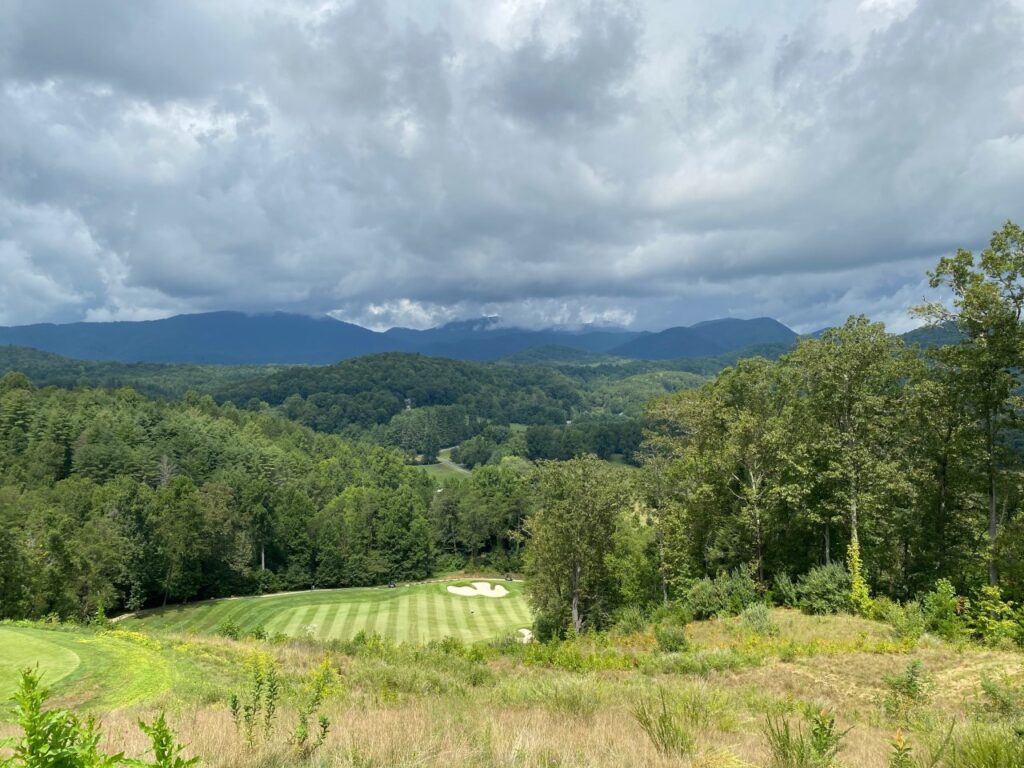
{"type": "Point", "coordinates": [704, 600]}
{"type": "Point", "coordinates": [906, 690]}
{"type": "Point", "coordinates": [907, 621]}
{"type": "Point", "coordinates": [727, 595]}
{"type": "Point", "coordinates": [992, 618]}
{"type": "Point", "coordinates": [825, 590]}
{"type": "Point", "coordinates": [671, 637]}
{"type": "Point", "coordinates": [814, 747]}
{"type": "Point", "coordinates": [944, 612]}
{"type": "Point", "coordinates": [165, 748]}
{"type": "Point", "coordinates": [784, 591]}
{"type": "Point", "coordinates": [1002, 698]}
{"type": "Point", "coordinates": [631, 620]}
{"type": "Point", "coordinates": [57, 738]}
{"type": "Point", "coordinates": [758, 619]}
{"type": "Point", "coordinates": [253, 712]}
{"type": "Point", "coordinates": [547, 627]}
{"type": "Point", "coordinates": [229, 628]}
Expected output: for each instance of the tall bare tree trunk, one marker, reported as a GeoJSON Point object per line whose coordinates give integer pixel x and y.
{"type": "Point", "coordinates": [577, 620]}
{"type": "Point", "coordinates": [993, 514]}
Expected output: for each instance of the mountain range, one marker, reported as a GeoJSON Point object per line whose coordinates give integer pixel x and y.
{"type": "Point", "coordinates": [238, 338]}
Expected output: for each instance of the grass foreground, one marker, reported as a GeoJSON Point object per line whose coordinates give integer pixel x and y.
{"type": "Point", "coordinates": [578, 702]}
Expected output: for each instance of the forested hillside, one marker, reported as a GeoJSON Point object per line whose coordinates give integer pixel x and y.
{"type": "Point", "coordinates": [162, 380]}
{"type": "Point", "coordinates": [109, 500]}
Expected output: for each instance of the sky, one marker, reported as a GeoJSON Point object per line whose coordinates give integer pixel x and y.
{"type": "Point", "coordinates": [642, 164]}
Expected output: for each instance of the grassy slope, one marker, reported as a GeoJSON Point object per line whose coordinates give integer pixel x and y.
{"type": "Point", "coordinates": [409, 613]}
{"type": "Point", "coordinates": [105, 670]}
{"type": "Point", "coordinates": [533, 707]}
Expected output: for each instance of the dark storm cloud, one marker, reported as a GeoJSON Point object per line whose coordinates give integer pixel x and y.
{"type": "Point", "coordinates": [643, 162]}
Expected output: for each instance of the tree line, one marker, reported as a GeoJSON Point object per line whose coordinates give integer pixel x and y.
{"type": "Point", "coordinates": [897, 466]}
{"type": "Point", "coordinates": [112, 501]}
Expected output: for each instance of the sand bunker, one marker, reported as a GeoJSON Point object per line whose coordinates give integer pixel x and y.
{"type": "Point", "coordinates": [480, 589]}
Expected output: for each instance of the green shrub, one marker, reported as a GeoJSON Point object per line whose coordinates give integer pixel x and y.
{"type": "Point", "coordinates": [704, 599]}
{"type": "Point", "coordinates": [631, 620]}
{"type": "Point", "coordinates": [671, 637]}
{"type": "Point", "coordinates": [740, 589]}
{"type": "Point", "coordinates": [825, 590]}
{"type": "Point", "coordinates": [54, 738]}
{"type": "Point", "coordinates": [1002, 698]}
{"type": "Point", "coordinates": [902, 755]}
{"type": "Point", "coordinates": [165, 747]}
{"type": "Point", "coordinates": [815, 746]}
{"type": "Point", "coordinates": [907, 621]}
{"type": "Point", "coordinates": [992, 619]}
{"type": "Point", "coordinates": [308, 738]}
{"type": "Point", "coordinates": [661, 724]}
{"type": "Point", "coordinates": [945, 612]}
{"type": "Point", "coordinates": [906, 690]}
{"type": "Point", "coordinates": [784, 591]}
{"type": "Point", "coordinates": [254, 711]}
{"type": "Point", "coordinates": [758, 619]}
{"type": "Point", "coordinates": [229, 628]}
{"type": "Point", "coordinates": [547, 627]}
{"type": "Point", "coordinates": [727, 595]}
{"type": "Point", "coordinates": [57, 738]}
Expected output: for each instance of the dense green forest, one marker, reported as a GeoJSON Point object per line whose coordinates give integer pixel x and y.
{"type": "Point", "coordinates": [111, 500]}
{"type": "Point", "coordinates": [159, 380]}
{"type": "Point", "coordinates": [856, 465]}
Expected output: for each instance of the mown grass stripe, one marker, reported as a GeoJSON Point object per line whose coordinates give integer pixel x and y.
{"type": "Point", "coordinates": [348, 626]}
{"type": "Point", "coordinates": [417, 614]}
{"type": "Point", "coordinates": [391, 615]}
{"type": "Point", "coordinates": [361, 621]}
{"type": "Point", "coordinates": [316, 623]}
{"type": "Point", "coordinates": [417, 627]}
{"type": "Point", "coordinates": [461, 617]}
{"type": "Point", "coordinates": [330, 622]}
{"type": "Point", "coordinates": [433, 621]}
{"type": "Point", "coordinates": [299, 619]}
{"type": "Point", "coordinates": [446, 606]}
{"type": "Point", "coordinates": [494, 617]}
{"type": "Point", "coordinates": [343, 629]}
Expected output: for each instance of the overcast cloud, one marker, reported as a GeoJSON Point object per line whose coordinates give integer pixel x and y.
{"type": "Point", "coordinates": [637, 163]}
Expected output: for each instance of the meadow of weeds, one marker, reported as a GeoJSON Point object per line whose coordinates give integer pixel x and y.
{"type": "Point", "coordinates": [776, 688]}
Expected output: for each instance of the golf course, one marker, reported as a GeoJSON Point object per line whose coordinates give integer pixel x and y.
{"type": "Point", "coordinates": [411, 613]}
{"type": "Point", "coordinates": [86, 663]}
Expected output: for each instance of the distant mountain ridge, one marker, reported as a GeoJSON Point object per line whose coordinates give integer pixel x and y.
{"type": "Point", "coordinates": [279, 338]}
{"type": "Point", "coordinates": [711, 337]}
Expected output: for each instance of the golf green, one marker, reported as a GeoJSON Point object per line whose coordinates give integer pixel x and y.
{"type": "Point", "coordinates": [414, 613]}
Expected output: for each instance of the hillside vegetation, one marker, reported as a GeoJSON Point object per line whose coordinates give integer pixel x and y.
{"type": "Point", "coordinates": [617, 700]}
{"type": "Point", "coordinates": [818, 563]}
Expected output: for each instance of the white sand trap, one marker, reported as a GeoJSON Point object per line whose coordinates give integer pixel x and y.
{"type": "Point", "coordinates": [480, 589]}
{"type": "Point", "coordinates": [525, 636]}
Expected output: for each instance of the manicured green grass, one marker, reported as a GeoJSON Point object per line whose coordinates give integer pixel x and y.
{"type": "Point", "coordinates": [107, 670]}
{"type": "Point", "coordinates": [20, 649]}
{"type": "Point", "coordinates": [442, 471]}
{"type": "Point", "coordinates": [413, 613]}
